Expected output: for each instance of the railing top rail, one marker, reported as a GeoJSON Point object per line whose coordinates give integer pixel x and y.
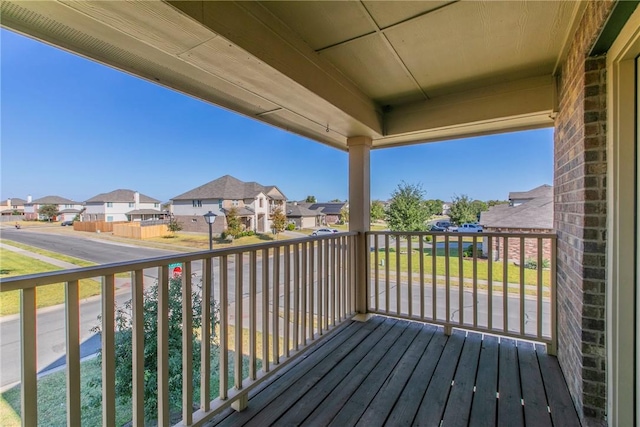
{"type": "Point", "coordinates": [51, 277]}
{"type": "Point", "coordinates": [551, 235]}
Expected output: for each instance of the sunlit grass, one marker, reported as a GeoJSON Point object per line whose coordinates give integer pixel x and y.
{"type": "Point", "coordinates": [14, 264]}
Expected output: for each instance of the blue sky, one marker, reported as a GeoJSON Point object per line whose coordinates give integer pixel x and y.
{"type": "Point", "coordinates": [74, 128]}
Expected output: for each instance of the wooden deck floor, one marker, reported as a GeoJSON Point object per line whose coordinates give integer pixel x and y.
{"type": "Point", "coordinates": [398, 373]}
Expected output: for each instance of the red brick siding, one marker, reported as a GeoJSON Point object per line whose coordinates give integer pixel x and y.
{"type": "Point", "coordinates": [199, 225]}
{"type": "Point", "coordinates": [580, 218]}
{"type": "Point", "coordinates": [530, 245]}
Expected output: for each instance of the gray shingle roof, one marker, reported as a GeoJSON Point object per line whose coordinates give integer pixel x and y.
{"type": "Point", "coordinates": [536, 214]}
{"type": "Point", "coordinates": [296, 211]}
{"type": "Point", "coordinates": [144, 212]}
{"type": "Point", "coordinates": [53, 200]}
{"type": "Point", "coordinates": [229, 188]}
{"type": "Point", "coordinates": [331, 208]}
{"type": "Point", "coordinates": [70, 211]}
{"type": "Point", "coordinates": [543, 190]}
{"type": "Point", "coordinates": [241, 211]}
{"type": "Point", "coordinates": [124, 196]}
{"type": "Point", "coordinates": [15, 201]}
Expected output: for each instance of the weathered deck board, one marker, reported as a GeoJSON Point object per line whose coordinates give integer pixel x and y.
{"type": "Point", "coordinates": [563, 413]}
{"type": "Point", "coordinates": [484, 406]}
{"type": "Point", "coordinates": [459, 403]}
{"type": "Point", "coordinates": [394, 361]}
{"type": "Point", "coordinates": [509, 400]}
{"type": "Point", "coordinates": [535, 399]}
{"type": "Point", "coordinates": [393, 372]}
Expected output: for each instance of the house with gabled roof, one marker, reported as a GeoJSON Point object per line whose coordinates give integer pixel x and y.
{"type": "Point", "coordinates": [253, 203]}
{"type": "Point", "coordinates": [303, 217]}
{"type": "Point", "coordinates": [122, 205]}
{"type": "Point", "coordinates": [527, 212]}
{"type": "Point", "coordinates": [332, 211]}
{"type": "Point", "coordinates": [67, 209]}
{"type": "Point", "coordinates": [12, 206]}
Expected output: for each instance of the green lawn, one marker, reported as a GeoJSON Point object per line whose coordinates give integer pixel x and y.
{"type": "Point", "coordinates": [201, 241]}
{"type": "Point", "coordinates": [513, 271]}
{"type": "Point", "coordinates": [52, 396]}
{"type": "Point", "coordinates": [14, 264]}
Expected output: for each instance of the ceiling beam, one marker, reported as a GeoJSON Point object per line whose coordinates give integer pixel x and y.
{"type": "Point", "coordinates": [518, 105]}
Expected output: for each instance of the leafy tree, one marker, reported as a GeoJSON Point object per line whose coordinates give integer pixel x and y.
{"type": "Point", "coordinates": [48, 211]}
{"type": "Point", "coordinates": [174, 225]}
{"type": "Point", "coordinates": [407, 211]}
{"type": "Point", "coordinates": [462, 210]}
{"type": "Point", "coordinates": [344, 214]}
{"type": "Point", "coordinates": [234, 226]}
{"type": "Point", "coordinates": [491, 203]}
{"type": "Point", "coordinates": [434, 206]}
{"type": "Point", "coordinates": [377, 210]}
{"type": "Point", "coordinates": [278, 221]}
{"type": "Point", "coordinates": [479, 206]}
{"type": "Point", "coordinates": [335, 201]}
{"type": "Point", "coordinates": [123, 346]}
{"type": "Point", "coordinates": [311, 199]}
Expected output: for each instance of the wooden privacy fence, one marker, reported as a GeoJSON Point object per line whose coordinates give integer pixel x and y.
{"type": "Point", "coordinates": [94, 226]}
{"type": "Point", "coordinates": [134, 230]}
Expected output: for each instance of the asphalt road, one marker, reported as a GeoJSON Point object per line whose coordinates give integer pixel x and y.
{"type": "Point", "coordinates": [94, 250]}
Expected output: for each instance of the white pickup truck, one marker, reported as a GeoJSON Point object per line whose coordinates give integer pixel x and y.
{"type": "Point", "coordinates": [468, 228]}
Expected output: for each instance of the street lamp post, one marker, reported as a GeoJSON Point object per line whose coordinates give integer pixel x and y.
{"type": "Point", "coordinates": [210, 217]}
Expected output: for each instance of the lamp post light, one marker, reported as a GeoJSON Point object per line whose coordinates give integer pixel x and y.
{"type": "Point", "coordinates": [210, 217]}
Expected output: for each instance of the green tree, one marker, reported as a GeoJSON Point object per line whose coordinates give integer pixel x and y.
{"type": "Point", "coordinates": [48, 211]}
{"type": "Point", "coordinates": [123, 346]}
{"type": "Point", "coordinates": [335, 201]}
{"type": "Point", "coordinates": [278, 222]}
{"type": "Point", "coordinates": [377, 210]}
{"type": "Point", "coordinates": [462, 210]}
{"type": "Point", "coordinates": [310, 199]}
{"type": "Point", "coordinates": [344, 214]}
{"type": "Point", "coordinates": [407, 211]}
{"type": "Point", "coordinates": [479, 206]}
{"type": "Point", "coordinates": [491, 203]}
{"type": "Point", "coordinates": [174, 225]}
{"type": "Point", "coordinates": [234, 226]}
{"type": "Point", "coordinates": [434, 206]}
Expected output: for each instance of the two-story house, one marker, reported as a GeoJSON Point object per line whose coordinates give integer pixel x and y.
{"type": "Point", "coordinates": [12, 207]}
{"type": "Point", "coordinates": [254, 204]}
{"type": "Point", "coordinates": [122, 205]}
{"type": "Point", "coordinates": [67, 209]}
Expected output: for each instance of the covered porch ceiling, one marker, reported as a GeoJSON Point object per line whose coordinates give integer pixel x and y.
{"type": "Point", "coordinates": [400, 72]}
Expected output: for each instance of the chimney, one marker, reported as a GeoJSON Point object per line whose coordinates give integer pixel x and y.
{"type": "Point", "coordinates": [9, 202]}
{"type": "Point", "coordinates": [136, 198]}
{"type": "Point", "coordinates": [29, 198]}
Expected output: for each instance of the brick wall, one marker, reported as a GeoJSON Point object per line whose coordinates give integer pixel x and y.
{"type": "Point", "coordinates": [530, 245]}
{"type": "Point", "coordinates": [580, 219]}
{"type": "Point", "coordinates": [191, 223]}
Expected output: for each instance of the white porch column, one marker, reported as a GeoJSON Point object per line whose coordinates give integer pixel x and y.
{"type": "Point", "coordinates": [359, 211]}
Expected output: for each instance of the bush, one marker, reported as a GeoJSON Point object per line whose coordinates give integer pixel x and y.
{"type": "Point", "coordinates": [123, 347]}
{"type": "Point", "coordinates": [291, 226]}
{"type": "Point", "coordinates": [468, 252]}
{"type": "Point", "coordinates": [246, 233]}
{"type": "Point", "coordinates": [532, 263]}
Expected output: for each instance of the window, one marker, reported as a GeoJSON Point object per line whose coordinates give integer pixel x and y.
{"type": "Point", "coordinates": [260, 201]}
{"type": "Point", "coordinates": [109, 219]}
{"type": "Point", "coordinates": [196, 203]}
{"type": "Point", "coordinates": [234, 203]}
{"type": "Point", "coordinates": [68, 206]}
{"type": "Point", "coordinates": [132, 204]}
{"type": "Point", "coordinates": [219, 203]}
{"type": "Point", "coordinates": [109, 204]}
{"type": "Point", "coordinates": [156, 205]}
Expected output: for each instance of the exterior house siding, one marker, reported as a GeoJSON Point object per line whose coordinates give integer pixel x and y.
{"type": "Point", "coordinates": [580, 218]}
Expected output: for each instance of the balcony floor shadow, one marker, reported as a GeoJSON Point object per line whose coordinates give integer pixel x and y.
{"type": "Point", "coordinates": [397, 373]}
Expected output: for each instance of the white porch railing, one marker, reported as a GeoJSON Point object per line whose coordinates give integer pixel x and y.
{"type": "Point", "coordinates": [278, 296]}
{"type": "Point", "coordinates": [496, 283]}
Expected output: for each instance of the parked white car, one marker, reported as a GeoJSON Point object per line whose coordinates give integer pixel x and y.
{"type": "Point", "coordinates": [324, 231]}
{"type": "Point", "coordinates": [469, 228]}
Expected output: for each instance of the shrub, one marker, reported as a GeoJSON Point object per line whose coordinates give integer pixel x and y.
{"type": "Point", "coordinates": [291, 226]}
{"type": "Point", "coordinates": [468, 252]}
{"type": "Point", "coordinates": [123, 346]}
{"type": "Point", "coordinates": [532, 263]}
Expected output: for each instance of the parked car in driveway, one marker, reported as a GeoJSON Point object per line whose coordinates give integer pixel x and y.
{"type": "Point", "coordinates": [441, 226]}
{"type": "Point", "coordinates": [324, 231]}
{"type": "Point", "coordinates": [65, 223]}
{"type": "Point", "coordinates": [469, 228]}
